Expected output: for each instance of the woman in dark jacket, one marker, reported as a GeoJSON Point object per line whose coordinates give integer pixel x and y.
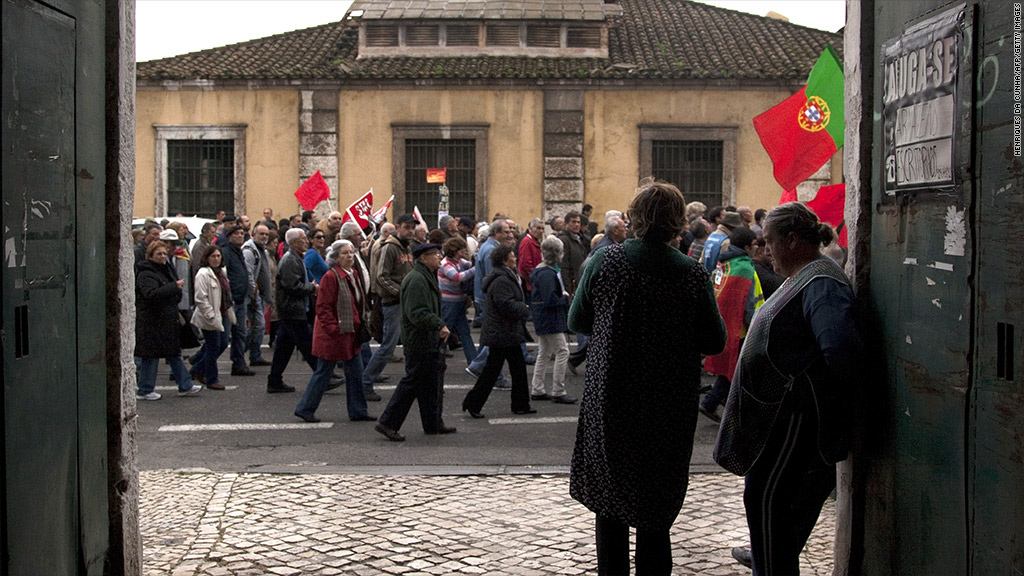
{"type": "Point", "coordinates": [157, 292]}
{"type": "Point", "coordinates": [650, 312]}
{"type": "Point", "coordinates": [549, 302]}
{"type": "Point", "coordinates": [504, 332]}
{"type": "Point", "coordinates": [788, 417]}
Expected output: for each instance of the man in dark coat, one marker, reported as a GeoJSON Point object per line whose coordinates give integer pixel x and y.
{"type": "Point", "coordinates": [423, 331]}
{"type": "Point", "coordinates": [294, 289]}
{"type": "Point", "coordinates": [238, 278]}
{"type": "Point", "coordinates": [576, 250]}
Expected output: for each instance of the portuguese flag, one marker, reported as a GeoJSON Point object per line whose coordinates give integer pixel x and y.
{"type": "Point", "coordinates": [803, 131]}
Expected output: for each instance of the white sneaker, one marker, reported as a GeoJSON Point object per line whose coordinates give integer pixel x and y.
{"type": "Point", "coordinates": [150, 396]}
{"type": "Point", "coordinates": [191, 391]}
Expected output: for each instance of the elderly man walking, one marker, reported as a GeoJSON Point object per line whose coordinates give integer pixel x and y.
{"type": "Point", "coordinates": [294, 289]}
{"type": "Point", "coordinates": [257, 265]}
{"type": "Point", "coordinates": [423, 331]}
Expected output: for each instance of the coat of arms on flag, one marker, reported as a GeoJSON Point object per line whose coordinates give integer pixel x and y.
{"type": "Point", "coordinates": [803, 131]}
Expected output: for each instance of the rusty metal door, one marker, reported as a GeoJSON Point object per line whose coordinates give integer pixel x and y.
{"type": "Point", "coordinates": [995, 435]}
{"type": "Point", "coordinates": [945, 487]}
{"type": "Point", "coordinates": [40, 396]}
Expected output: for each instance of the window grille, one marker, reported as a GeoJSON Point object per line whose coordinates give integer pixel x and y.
{"type": "Point", "coordinates": [544, 36]}
{"type": "Point", "coordinates": [462, 35]}
{"type": "Point", "coordinates": [459, 156]}
{"type": "Point", "coordinates": [422, 35]}
{"type": "Point", "coordinates": [694, 166]}
{"type": "Point", "coordinates": [503, 35]}
{"type": "Point", "coordinates": [381, 35]}
{"type": "Point", "coordinates": [200, 176]}
{"type": "Point", "coordinates": [583, 37]}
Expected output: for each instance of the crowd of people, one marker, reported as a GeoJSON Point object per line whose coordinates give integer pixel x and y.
{"type": "Point", "coordinates": [663, 291]}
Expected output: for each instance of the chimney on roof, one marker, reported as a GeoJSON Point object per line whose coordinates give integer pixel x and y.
{"type": "Point", "coordinates": [776, 16]}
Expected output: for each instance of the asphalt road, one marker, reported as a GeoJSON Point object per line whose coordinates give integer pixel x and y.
{"type": "Point", "coordinates": [202, 431]}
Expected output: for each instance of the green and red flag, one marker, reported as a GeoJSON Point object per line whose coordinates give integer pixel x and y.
{"type": "Point", "coordinates": [802, 132]}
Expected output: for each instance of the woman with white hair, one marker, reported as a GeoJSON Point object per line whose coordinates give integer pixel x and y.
{"type": "Point", "coordinates": [338, 334]}
{"type": "Point", "coordinates": [549, 304]}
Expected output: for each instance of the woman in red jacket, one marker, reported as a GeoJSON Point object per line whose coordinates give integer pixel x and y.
{"type": "Point", "coordinates": [340, 310]}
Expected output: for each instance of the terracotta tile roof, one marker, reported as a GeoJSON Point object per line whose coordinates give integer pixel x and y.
{"type": "Point", "coordinates": [480, 9]}
{"type": "Point", "coordinates": [651, 40]}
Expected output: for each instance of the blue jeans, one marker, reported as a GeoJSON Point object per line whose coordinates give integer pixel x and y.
{"type": "Point", "coordinates": [147, 374]}
{"type": "Point", "coordinates": [240, 335]}
{"type": "Point", "coordinates": [392, 328]}
{"type": "Point", "coordinates": [321, 378]}
{"type": "Point", "coordinates": [454, 316]}
{"type": "Point", "coordinates": [366, 354]}
{"type": "Point", "coordinates": [257, 327]}
{"type": "Point", "coordinates": [214, 344]}
{"type": "Point", "coordinates": [719, 392]}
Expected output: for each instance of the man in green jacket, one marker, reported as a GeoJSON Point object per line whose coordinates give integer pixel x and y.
{"type": "Point", "coordinates": [423, 331]}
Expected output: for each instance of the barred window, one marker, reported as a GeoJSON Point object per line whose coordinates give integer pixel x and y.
{"type": "Point", "coordinates": [694, 166]}
{"type": "Point", "coordinates": [461, 148]}
{"type": "Point", "coordinates": [200, 176]}
{"type": "Point", "coordinates": [459, 157]}
{"type": "Point", "coordinates": [699, 159]}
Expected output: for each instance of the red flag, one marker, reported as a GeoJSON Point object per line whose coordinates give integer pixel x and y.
{"type": "Point", "coordinates": [378, 215]}
{"type": "Point", "coordinates": [829, 205]}
{"type": "Point", "coordinates": [436, 175]}
{"type": "Point", "coordinates": [788, 196]}
{"type": "Point", "coordinates": [796, 152]}
{"type": "Point", "coordinates": [805, 130]}
{"type": "Point", "coordinates": [359, 211]}
{"type": "Point", "coordinates": [313, 191]}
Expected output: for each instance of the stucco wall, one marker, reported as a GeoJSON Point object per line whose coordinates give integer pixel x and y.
{"type": "Point", "coordinates": [271, 141]}
{"type": "Point", "coordinates": [515, 140]}
{"type": "Point", "coordinates": [515, 119]}
{"type": "Point", "coordinates": [612, 139]}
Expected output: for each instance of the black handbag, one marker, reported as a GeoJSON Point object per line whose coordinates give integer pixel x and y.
{"type": "Point", "coordinates": [187, 333]}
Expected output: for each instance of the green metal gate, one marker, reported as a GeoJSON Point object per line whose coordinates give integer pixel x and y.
{"type": "Point", "coordinates": [54, 516]}
{"type": "Point", "coordinates": [944, 459]}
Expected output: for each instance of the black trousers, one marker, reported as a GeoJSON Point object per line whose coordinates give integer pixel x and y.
{"type": "Point", "coordinates": [292, 334]}
{"type": "Point", "coordinates": [784, 493]}
{"type": "Point", "coordinates": [496, 358]}
{"type": "Point", "coordinates": [653, 549]}
{"type": "Point", "coordinates": [422, 383]}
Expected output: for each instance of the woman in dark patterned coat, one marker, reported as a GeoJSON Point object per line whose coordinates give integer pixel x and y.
{"type": "Point", "coordinates": [650, 312]}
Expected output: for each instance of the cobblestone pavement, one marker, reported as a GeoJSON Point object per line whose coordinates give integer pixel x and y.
{"type": "Point", "coordinates": [248, 524]}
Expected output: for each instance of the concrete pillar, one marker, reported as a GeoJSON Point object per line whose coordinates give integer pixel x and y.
{"type": "Point", "coordinates": [124, 555]}
{"type": "Point", "coordinates": [563, 152]}
{"type": "Point", "coordinates": [318, 142]}
{"type": "Point", "coordinates": [858, 55]}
